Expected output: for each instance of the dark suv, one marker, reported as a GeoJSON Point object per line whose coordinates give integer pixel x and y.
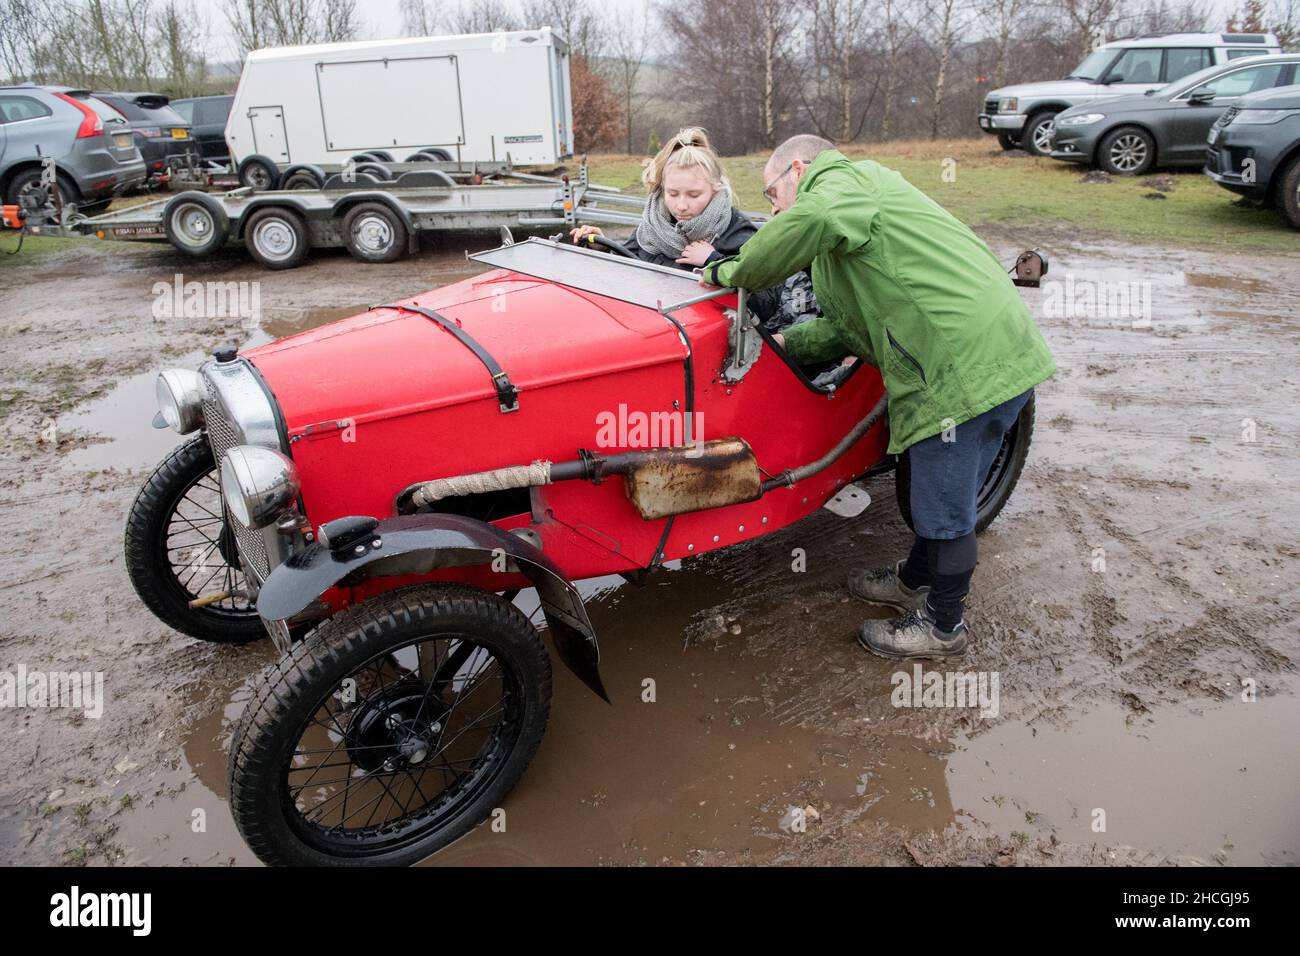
{"type": "Point", "coordinates": [1254, 149]}
{"type": "Point", "coordinates": [207, 117]}
{"type": "Point", "coordinates": [92, 150]}
{"type": "Point", "coordinates": [161, 134]}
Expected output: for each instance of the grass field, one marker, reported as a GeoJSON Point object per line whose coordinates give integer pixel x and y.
{"type": "Point", "coordinates": [990, 187]}
{"type": "Point", "coordinates": [987, 187]}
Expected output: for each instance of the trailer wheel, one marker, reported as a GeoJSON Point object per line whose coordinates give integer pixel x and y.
{"type": "Point", "coordinates": [420, 157]}
{"type": "Point", "coordinates": [195, 224]}
{"type": "Point", "coordinates": [277, 238]}
{"type": "Point", "coordinates": [258, 173]}
{"type": "Point", "coordinates": [364, 158]}
{"type": "Point", "coordinates": [374, 233]}
{"type": "Point", "coordinates": [382, 156]}
{"type": "Point", "coordinates": [378, 170]}
{"type": "Point", "coordinates": [302, 179]}
{"type": "Point", "coordinates": [438, 155]}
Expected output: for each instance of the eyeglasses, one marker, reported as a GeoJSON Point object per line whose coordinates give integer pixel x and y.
{"type": "Point", "coordinates": [767, 190]}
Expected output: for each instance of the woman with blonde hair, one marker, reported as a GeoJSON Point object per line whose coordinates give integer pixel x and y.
{"type": "Point", "coordinates": [690, 216]}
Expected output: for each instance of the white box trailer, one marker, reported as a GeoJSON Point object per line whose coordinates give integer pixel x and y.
{"type": "Point", "coordinates": [469, 98]}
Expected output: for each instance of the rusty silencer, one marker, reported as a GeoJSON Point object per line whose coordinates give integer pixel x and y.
{"type": "Point", "coordinates": [661, 482]}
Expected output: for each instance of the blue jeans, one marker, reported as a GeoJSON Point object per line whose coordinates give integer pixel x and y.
{"type": "Point", "coordinates": [946, 475]}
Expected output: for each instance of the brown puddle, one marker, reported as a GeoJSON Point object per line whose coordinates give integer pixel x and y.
{"type": "Point", "coordinates": [119, 423]}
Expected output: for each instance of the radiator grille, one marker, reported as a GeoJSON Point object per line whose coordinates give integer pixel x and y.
{"type": "Point", "coordinates": [222, 437]}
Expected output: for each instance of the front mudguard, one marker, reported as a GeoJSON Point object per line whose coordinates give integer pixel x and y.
{"type": "Point", "coordinates": [419, 544]}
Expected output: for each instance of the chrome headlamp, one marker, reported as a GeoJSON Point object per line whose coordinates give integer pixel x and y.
{"type": "Point", "coordinates": [258, 484]}
{"type": "Point", "coordinates": [1008, 104]}
{"type": "Point", "coordinates": [180, 399]}
{"type": "Point", "coordinates": [1084, 119]}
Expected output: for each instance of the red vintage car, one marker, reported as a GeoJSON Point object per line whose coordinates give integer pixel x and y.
{"type": "Point", "coordinates": [376, 492]}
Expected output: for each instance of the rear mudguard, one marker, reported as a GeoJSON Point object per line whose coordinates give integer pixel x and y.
{"type": "Point", "coordinates": [418, 544]}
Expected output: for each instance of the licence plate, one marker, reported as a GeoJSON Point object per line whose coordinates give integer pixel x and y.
{"type": "Point", "coordinates": [122, 140]}
{"type": "Point", "coordinates": [984, 122]}
{"type": "Point", "coordinates": [1214, 136]}
{"type": "Point", "coordinates": [180, 134]}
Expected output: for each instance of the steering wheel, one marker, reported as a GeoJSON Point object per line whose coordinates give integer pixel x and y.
{"type": "Point", "coordinates": [594, 240]}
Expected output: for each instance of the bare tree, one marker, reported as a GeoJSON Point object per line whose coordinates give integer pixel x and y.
{"type": "Point", "coordinates": [834, 66]}
{"type": "Point", "coordinates": [1002, 16]}
{"type": "Point", "coordinates": [630, 39]}
{"type": "Point", "coordinates": [22, 24]}
{"type": "Point", "coordinates": [419, 18]}
{"type": "Point", "coordinates": [262, 23]}
{"type": "Point", "coordinates": [579, 22]}
{"type": "Point", "coordinates": [182, 35]}
{"type": "Point", "coordinates": [480, 16]}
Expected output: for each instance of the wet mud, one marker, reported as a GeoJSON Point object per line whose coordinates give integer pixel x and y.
{"type": "Point", "coordinates": [1138, 602]}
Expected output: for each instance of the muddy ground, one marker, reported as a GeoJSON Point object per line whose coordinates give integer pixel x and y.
{"type": "Point", "coordinates": [1142, 580]}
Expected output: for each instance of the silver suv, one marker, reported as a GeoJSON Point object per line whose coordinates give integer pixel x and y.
{"type": "Point", "coordinates": [1023, 115]}
{"type": "Point", "coordinates": [91, 154]}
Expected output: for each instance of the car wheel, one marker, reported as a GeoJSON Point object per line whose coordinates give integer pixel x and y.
{"type": "Point", "coordinates": [392, 730]}
{"type": "Point", "coordinates": [195, 224]}
{"type": "Point", "coordinates": [1289, 192]}
{"type": "Point", "coordinates": [373, 232]}
{"type": "Point", "coordinates": [1008, 140]}
{"type": "Point", "coordinates": [1127, 151]}
{"type": "Point", "coordinates": [28, 183]}
{"type": "Point", "coordinates": [180, 546]}
{"type": "Point", "coordinates": [1037, 136]}
{"type": "Point", "coordinates": [258, 173]}
{"type": "Point", "coordinates": [277, 238]}
{"type": "Point", "coordinates": [995, 490]}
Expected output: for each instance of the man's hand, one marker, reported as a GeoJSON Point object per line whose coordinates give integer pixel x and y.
{"type": "Point", "coordinates": [695, 253]}
{"type": "Point", "coordinates": [779, 339]}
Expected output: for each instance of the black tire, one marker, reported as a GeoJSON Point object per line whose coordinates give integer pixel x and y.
{"type": "Point", "coordinates": [1008, 140]}
{"type": "Point", "coordinates": [437, 154]}
{"type": "Point", "coordinates": [379, 171]}
{"type": "Point", "coordinates": [160, 515]}
{"type": "Point", "coordinates": [372, 232]}
{"type": "Point", "coordinates": [1037, 133]}
{"type": "Point", "coordinates": [303, 178]}
{"type": "Point", "coordinates": [1288, 192]}
{"type": "Point", "coordinates": [363, 158]}
{"type": "Point", "coordinates": [998, 485]}
{"type": "Point", "coordinates": [420, 157]}
{"type": "Point", "coordinates": [29, 181]}
{"type": "Point", "coordinates": [382, 155]}
{"type": "Point", "coordinates": [360, 644]}
{"type": "Point", "coordinates": [277, 237]}
{"type": "Point", "coordinates": [259, 174]}
{"type": "Point", "coordinates": [1127, 151]}
{"type": "Point", "coordinates": [195, 224]}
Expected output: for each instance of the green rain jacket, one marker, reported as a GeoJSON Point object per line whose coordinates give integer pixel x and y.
{"type": "Point", "coordinates": [903, 285]}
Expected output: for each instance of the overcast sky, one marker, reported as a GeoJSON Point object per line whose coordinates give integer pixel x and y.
{"type": "Point", "coordinates": [383, 18]}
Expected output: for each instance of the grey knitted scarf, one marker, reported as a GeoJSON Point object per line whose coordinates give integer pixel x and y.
{"type": "Point", "coordinates": [659, 233]}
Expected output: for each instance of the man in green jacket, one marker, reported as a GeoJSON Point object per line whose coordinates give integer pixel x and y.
{"type": "Point", "coordinates": [906, 286]}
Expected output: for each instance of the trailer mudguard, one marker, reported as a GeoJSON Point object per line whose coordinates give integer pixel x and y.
{"type": "Point", "coordinates": [418, 544]}
{"type": "Point", "coordinates": [261, 201]}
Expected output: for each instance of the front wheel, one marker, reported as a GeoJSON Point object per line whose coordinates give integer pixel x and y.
{"type": "Point", "coordinates": [1288, 192]}
{"type": "Point", "coordinates": [180, 546]}
{"type": "Point", "coordinates": [391, 731]}
{"type": "Point", "coordinates": [1128, 151]}
{"type": "Point", "coordinates": [1037, 137]}
{"type": "Point", "coordinates": [995, 490]}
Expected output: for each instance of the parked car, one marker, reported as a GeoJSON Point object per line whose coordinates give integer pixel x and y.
{"type": "Point", "coordinates": [379, 525]}
{"type": "Point", "coordinates": [1023, 115]}
{"type": "Point", "coordinates": [162, 136]}
{"type": "Point", "coordinates": [93, 152]}
{"type": "Point", "coordinates": [207, 117]}
{"type": "Point", "coordinates": [1129, 135]}
{"type": "Point", "coordinates": [1254, 149]}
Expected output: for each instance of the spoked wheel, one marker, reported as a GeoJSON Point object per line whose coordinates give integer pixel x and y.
{"type": "Point", "coordinates": [179, 547]}
{"type": "Point", "coordinates": [998, 484]}
{"type": "Point", "coordinates": [391, 731]}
